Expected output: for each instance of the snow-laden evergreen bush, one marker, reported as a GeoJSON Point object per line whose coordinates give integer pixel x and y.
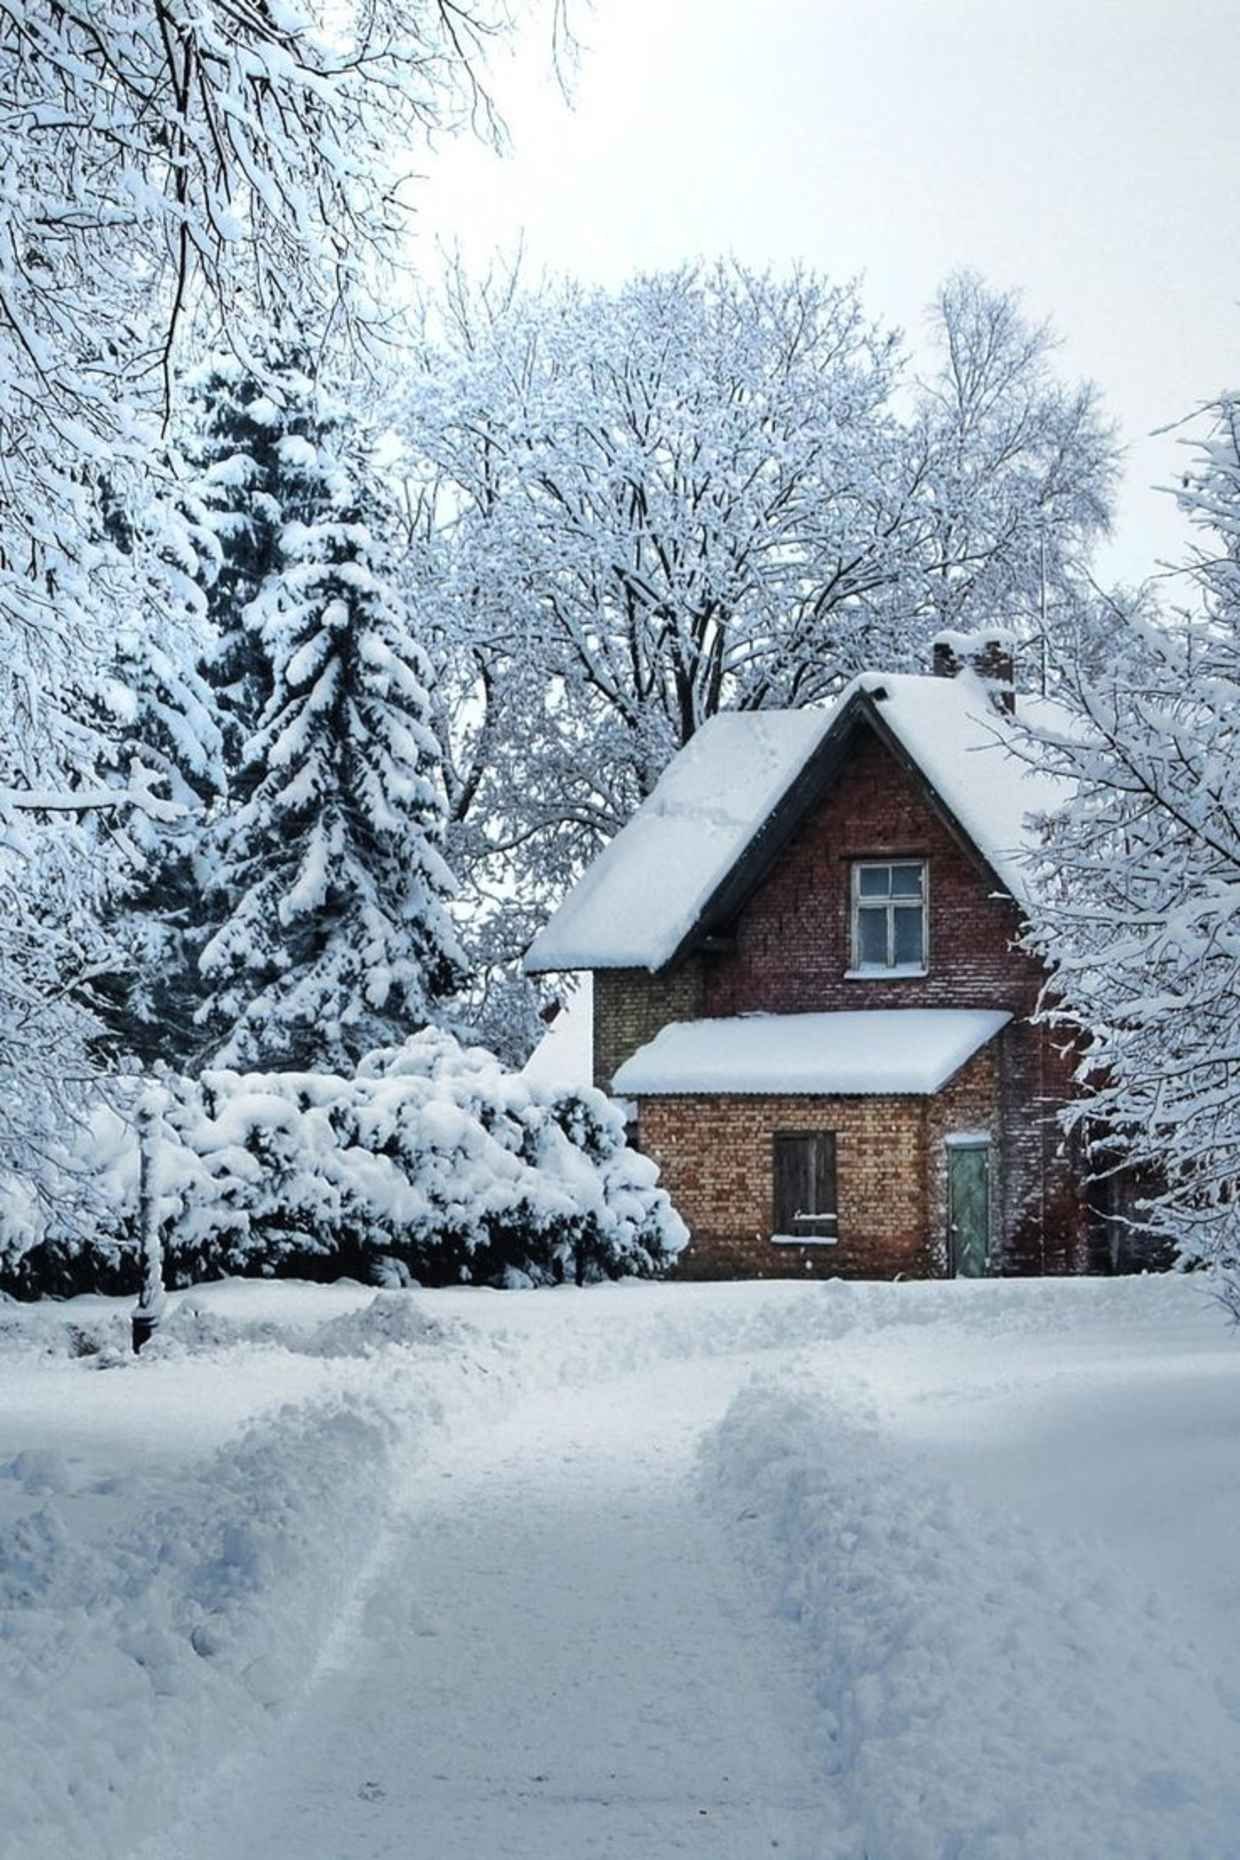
{"type": "Point", "coordinates": [429, 1158]}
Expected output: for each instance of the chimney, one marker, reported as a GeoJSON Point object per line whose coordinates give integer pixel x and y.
{"type": "Point", "coordinates": [989, 655]}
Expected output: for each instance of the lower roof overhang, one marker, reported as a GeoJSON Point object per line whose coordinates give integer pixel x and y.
{"type": "Point", "coordinates": [863, 1052]}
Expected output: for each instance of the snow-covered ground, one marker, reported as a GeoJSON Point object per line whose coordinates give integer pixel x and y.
{"type": "Point", "coordinates": [923, 1572]}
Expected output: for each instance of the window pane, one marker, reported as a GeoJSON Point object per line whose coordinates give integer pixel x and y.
{"type": "Point", "coordinates": [910, 944]}
{"type": "Point", "coordinates": [906, 881]}
{"type": "Point", "coordinates": [874, 881]}
{"type": "Point", "coordinates": [872, 938]}
{"type": "Point", "coordinates": [804, 1177]}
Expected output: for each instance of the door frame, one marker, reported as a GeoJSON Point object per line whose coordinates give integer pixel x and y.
{"type": "Point", "coordinates": [973, 1141]}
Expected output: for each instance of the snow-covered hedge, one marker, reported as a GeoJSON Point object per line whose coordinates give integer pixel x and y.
{"type": "Point", "coordinates": [431, 1162]}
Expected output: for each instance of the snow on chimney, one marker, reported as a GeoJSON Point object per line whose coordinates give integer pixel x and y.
{"type": "Point", "coordinates": [989, 655]}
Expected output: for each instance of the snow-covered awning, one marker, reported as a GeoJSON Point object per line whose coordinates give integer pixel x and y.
{"type": "Point", "coordinates": [905, 1051]}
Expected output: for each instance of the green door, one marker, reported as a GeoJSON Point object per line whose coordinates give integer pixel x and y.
{"type": "Point", "coordinates": [968, 1203]}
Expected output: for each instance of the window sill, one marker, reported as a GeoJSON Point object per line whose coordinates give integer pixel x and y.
{"type": "Point", "coordinates": [901, 972]}
{"type": "Point", "coordinates": [804, 1240]}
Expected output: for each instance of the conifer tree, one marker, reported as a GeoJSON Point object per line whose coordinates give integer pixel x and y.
{"type": "Point", "coordinates": [328, 882]}
{"type": "Point", "coordinates": [154, 909]}
{"type": "Point", "coordinates": [161, 710]}
{"type": "Point", "coordinates": [245, 419]}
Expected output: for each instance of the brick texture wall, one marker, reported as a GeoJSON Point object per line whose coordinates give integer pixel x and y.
{"type": "Point", "coordinates": [716, 1161]}
{"type": "Point", "coordinates": [792, 940]}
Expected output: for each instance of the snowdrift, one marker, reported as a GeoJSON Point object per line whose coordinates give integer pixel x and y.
{"type": "Point", "coordinates": [158, 1610]}
{"type": "Point", "coordinates": [132, 1653]}
{"type": "Point", "coordinates": [988, 1691]}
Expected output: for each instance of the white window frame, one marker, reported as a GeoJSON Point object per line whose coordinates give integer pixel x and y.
{"type": "Point", "coordinates": [889, 970]}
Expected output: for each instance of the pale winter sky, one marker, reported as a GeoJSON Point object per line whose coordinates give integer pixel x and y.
{"type": "Point", "coordinates": [1085, 151]}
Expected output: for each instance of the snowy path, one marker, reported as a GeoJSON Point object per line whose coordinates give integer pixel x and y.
{"type": "Point", "coordinates": [560, 1661]}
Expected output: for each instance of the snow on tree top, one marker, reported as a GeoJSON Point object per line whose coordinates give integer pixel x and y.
{"type": "Point", "coordinates": [907, 1051]}
{"type": "Point", "coordinates": [641, 898]}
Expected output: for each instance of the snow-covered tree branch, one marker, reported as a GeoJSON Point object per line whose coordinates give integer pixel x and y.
{"type": "Point", "coordinates": [1142, 917]}
{"type": "Point", "coordinates": [172, 170]}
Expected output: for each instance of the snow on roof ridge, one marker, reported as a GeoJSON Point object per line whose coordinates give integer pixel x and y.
{"type": "Point", "coordinates": [641, 896]}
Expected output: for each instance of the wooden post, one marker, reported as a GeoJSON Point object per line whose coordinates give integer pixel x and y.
{"type": "Point", "coordinates": [151, 1298]}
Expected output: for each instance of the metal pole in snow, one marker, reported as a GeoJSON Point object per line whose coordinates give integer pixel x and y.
{"type": "Point", "coordinates": [151, 1298]}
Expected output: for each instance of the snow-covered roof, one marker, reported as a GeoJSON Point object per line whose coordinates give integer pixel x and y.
{"type": "Point", "coordinates": [907, 1051]}
{"type": "Point", "coordinates": [646, 891]}
{"type": "Point", "coordinates": [643, 894]}
{"type": "Point", "coordinates": [565, 1054]}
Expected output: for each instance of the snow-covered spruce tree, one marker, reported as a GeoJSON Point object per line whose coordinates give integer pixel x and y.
{"type": "Point", "coordinates": [191, 702]}
{"type": "Point", "coordinates": [1140, 921]}
{"type": "Point", "coordinates": [239, 416]}
{"type": "Point", "coordinates": [160, 709]}
{"type": "Point", "coordinates": [327, 879]}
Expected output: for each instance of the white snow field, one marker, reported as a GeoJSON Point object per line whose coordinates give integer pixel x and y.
{"type": "Point", "coordinates": [835, 1572]}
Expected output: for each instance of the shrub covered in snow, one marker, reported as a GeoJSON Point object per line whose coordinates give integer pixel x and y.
{"type": "Point", "coordinates": [430, 1161]}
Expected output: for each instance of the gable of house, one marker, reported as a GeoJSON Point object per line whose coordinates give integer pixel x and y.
{"type": "Point", "coordinates": [734, 796]}
{"type": "Point", "coordinates": [789, 948]}
{"type": "Point", "coordinates": [794, 945]}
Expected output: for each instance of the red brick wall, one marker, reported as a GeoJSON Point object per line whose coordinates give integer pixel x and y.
{"type": "Point", "coordinates": [716, 1161]}
{"type": "Point", "coordinates": [715, 1156]}
{"type": "Point", "coordinates": [792, 938]}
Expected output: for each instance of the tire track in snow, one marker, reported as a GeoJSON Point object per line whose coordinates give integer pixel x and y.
{"type": "Point", "coordinates": [560, 1661]}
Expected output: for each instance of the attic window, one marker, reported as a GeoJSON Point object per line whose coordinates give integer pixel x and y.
{"type": "Point", "coordinates": [889, 918]}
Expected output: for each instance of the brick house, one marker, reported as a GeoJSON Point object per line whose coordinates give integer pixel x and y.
{"type": "Point", "coordinates": [806, 978]}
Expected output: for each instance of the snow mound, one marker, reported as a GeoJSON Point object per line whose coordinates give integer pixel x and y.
{"type": "Point", "coordinates": [988, 1692]}
{"type": "Point", "coordinates": [129, 1652]}
{"type": "Point", "coordinates": [189, 1328]}
{"type": "Point", "coordinates": [50, 1330]}
{"type": "Point", "coordinates": [392, 1319]}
